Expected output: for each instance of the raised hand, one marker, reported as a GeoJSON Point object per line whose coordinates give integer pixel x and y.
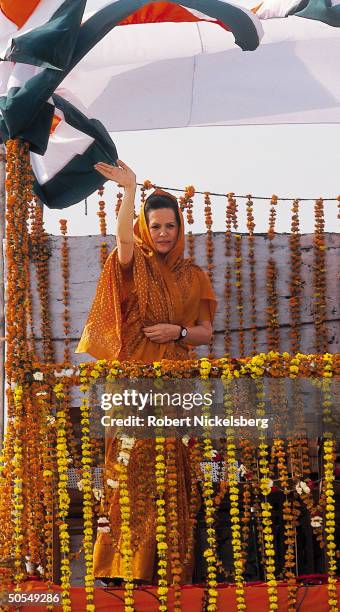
{"type": "Point", "coordinates": [121, 174]}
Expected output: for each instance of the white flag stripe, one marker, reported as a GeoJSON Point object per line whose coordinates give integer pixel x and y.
{"type": "Point", "coordinates": [292, 75]}
{"type": "Point", "coordinates": [64, 144]}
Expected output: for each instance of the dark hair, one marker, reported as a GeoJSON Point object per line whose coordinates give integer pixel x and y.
{"type": "Point", "coordinates": [159, 201]}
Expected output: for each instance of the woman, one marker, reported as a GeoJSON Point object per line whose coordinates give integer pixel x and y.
{"type": "Point", "coordinates": [150, 304]}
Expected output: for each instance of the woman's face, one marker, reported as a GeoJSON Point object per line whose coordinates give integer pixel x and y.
{"type": "Point", "coordinates": [163, 229]}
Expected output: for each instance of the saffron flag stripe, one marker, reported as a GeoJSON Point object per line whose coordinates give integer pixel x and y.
{"type": "Point", "coordinates": [23, 105]}
{"type": "Point", "coordinates": [50, 44]}
{"type": "Point", "coordinates": [18, 12]}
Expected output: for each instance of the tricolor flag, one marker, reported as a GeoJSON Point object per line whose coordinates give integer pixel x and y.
{"type": "Point", "coordinates": [134, 64]}
{"type": "Point", "coordinates": [35, 105]}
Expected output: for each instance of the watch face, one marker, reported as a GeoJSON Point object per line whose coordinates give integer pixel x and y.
{"type": "Point", "coordinates": [184, 332]}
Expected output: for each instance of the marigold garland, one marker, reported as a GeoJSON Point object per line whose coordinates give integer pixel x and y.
{"type": "Point", "coordinates": [18, 500]}
{"type": "Point", "coordinates": [66, 285]}
{"type": "Point", "coordinates": [118, 202]}
{"type": "Point", "coordinates": [295, 279]}
{"type": "Point", "coordinates": [173, 533]}
{"type": "Point", "coordinates": [328, 458]}
{"type": "Point", "coordinates": [63, 500]}
{"type": "Point", "coordinates": [47, 450]}
{"type": "Point", "coordinates": [18, 191]}
{"type": "Point", "coordinates": [252, 272]}
{"type": "Point", "coordinates": [266, 508]}
{"type": "Point", "coordinates": [228, 274]}
{"type": "Point", "coordinates": [86, 476]}
{"type": "Point", "coordinates": [102, 224]}
{"type": "Point", "coordinates": [209, 245]}
{"type": "Point", "coordinates": [234, 491]}
{"type": "Point", "coordinates": [186, 203]}
{"type": "Point", "coordinates": [208, 498]}
{"type": "Point", "coordinates": [40, 257]}
{"type": "Point", "coordinates": [289, 527]}
{"type": "Point", "coordinates": [319, 277]}
{"type": "Point", "coordinates": [125, 513]}
{"type": "Point", "coordinates": [161, 539]}
{"type": "Point", "coordinates": [273, 330]}
{"type": "Point", "coordinates": [239, 281]}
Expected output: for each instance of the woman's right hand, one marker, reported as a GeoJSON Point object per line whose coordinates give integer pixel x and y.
{"type": "Point", "coordinates": [123, 175]}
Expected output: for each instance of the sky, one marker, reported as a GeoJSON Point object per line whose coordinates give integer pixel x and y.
{"type": "Point", "coordinates": [288, 160]}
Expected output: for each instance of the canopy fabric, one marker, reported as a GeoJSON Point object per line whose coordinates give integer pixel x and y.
{"type": "Point", "coordinates": [136, 64]}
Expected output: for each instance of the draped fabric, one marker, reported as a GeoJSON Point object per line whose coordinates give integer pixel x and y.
{"type": "Point", "coordinates": [156, 290]}
{"type": "Point", "coordinates": [152, 290]}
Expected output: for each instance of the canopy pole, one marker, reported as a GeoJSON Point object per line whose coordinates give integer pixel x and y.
{"type": "Point", "coordinates": [2, 287]}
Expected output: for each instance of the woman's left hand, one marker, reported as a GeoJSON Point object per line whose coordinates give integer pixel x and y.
{"type": "Point", "coordinates": [162, 332]}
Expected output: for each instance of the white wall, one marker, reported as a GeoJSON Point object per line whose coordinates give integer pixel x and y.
{"type": "Point", "coordinates": [85, 270]}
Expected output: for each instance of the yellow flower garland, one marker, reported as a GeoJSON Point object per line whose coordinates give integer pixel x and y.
{"type": "Point", "coordinates": [63, 500]}
{"type": "Point", "coordinates": [18, 505]}
{"type": "Point", "coordinates": [162, 547]}
{"type": "Point", "coordinates": [236, 540]}
{"type": "Point", "coordinates": [208, 497]}
{"type": "Point", "coordinates": [266, 509]}
{"type": "Point", "coordinates": [86, 476]}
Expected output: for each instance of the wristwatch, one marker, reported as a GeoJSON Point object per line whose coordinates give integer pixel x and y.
{"type": "Point", "coordinates": [183, 333]}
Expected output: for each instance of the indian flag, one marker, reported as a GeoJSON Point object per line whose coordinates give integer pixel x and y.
{"type": "Point", "coordinates": [70, 76]}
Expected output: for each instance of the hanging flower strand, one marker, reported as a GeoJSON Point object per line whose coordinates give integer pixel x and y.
{"type": "Point", "coordinates": [66, 282]}
{"type": "Point", "coordinates": [227, 275]}
{"type": "Point", "coordinates": [186, 203]}
{"type": "Point", "coordinates": [273, 331]}
{"type": "Point", "coordinates": [161, 544]}
{"type": "Point", "coordinates": [86, 476]}
{"type": "Point", "coordinates": [252, 272]}
{"type": "Point", "coordinates": [320, 280]}
{"type": "Point", "coordinates": [209, 249]}
{"type": "Point", "coordinates": [63, 499]}
{"type": "Point", "coordinates": [40, 256]}
{"type": "Point", "coordinates": [239, 282]}
{"type": "Point", "coordinates": [102, 223]}
{"type": "Point", "coordinates": [295, 279]}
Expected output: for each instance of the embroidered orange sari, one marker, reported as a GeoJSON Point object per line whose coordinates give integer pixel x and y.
{"type": "Point", "coordinates": [151, 290]}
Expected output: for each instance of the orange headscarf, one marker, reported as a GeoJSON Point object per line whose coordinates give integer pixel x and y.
{"type": "Point", "coordinates": [143, 238]}
{"type": "Point", "coordinates": [158, 294]}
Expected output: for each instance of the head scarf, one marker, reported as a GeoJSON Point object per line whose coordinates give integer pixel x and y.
{"type": "Point", "coordinates": [158, 294]}
{"type": "Point", "coordinates": [143, 238]}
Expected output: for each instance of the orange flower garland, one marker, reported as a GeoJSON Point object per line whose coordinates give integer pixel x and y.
{"type": "Point", "coordinates": [321, 342]}
{"type": "Point", "coordinates": [228, 273]}
{"type": "Point", "coordinates": [18, 186]}
{"type": "Point", "coordinates": [102, 223]}
{"type": "Point", "coordinates": [66, 293]}
{"type": "Point", "coordinates": [273, 331]}
{"type": "Point", "coordinates": [295, 279]}
{"type": "Point", "coordinates": [209, 249]}
{"type": "Point", "coordinates": [252, 272]}
{"type": "Point", "coordinates": [118, 203]}
{"type": "Point", "coordinates": [239, 281]}
{"type": "Point", "coordinates": [186, 203]}
{"type": "Point", "coordinates": [40, 257]}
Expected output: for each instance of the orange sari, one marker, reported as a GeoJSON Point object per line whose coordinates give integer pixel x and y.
{"type": "Point", "coordinates": [151, 290]}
